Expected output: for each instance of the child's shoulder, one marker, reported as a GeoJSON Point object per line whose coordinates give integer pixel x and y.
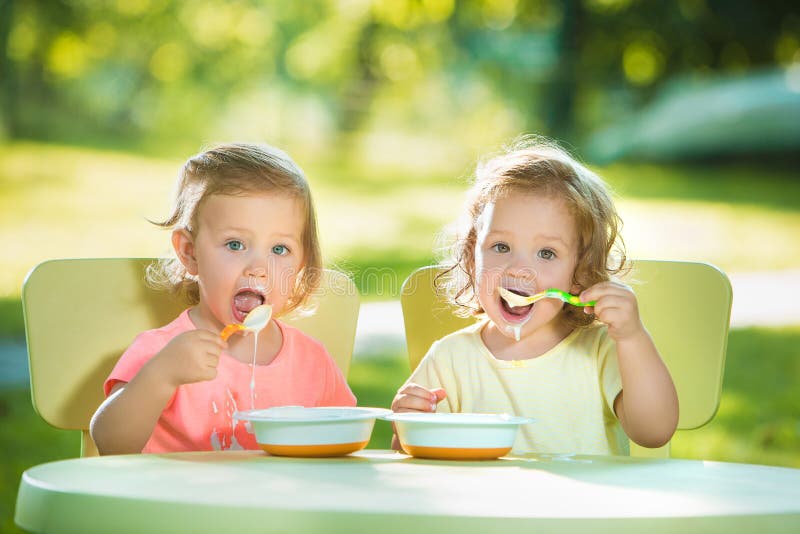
{"type": "Point", "coordinates": [297, 339]}
{"type": "Point", "coordinates": [178, 325]}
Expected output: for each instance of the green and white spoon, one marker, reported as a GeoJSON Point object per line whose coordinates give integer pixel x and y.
{"type": "Point", "coordinates": [514, 299]}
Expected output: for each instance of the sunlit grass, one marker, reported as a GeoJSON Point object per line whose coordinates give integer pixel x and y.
{"type": "Point", "coordinates": [65, 202]}
{"type": "Point", "coordinates": [77, 202]}
{"type": "Point", "coordinates": [759, 415]}
{"type": "Point", "coordinates": [26, 440]}
{"type": "Point", "coordinates": [732, 183]}
{"type": "Point", "coordinates": [736, 238]}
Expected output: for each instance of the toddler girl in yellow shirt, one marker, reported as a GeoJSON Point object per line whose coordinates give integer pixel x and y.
{"type": "Point", "coordinates": [536, 219]}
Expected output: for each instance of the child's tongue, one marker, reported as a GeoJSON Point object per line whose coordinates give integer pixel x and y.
{"type": "Point", "coordinates": [245, 301]}
{"type": "Point", "coordinates": [519, 310]}
{"type": "Point", "coordinates": [516, 310]}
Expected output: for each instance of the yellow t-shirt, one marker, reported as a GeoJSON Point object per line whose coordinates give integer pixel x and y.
{"type": "Point", "coordinates": [569, 390]}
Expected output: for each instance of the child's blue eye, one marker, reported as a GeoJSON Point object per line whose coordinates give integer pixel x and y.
{"type": "Point", "coordinates": [547, 254]}
{"type": "Point", "coordinates": [235, 245]}
{"type": "Point", "coordinates": [280, 250]}
{"type": "Point", "coordinates": [501, 248]}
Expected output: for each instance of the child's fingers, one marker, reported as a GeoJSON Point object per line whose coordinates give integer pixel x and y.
{"type": "Point", "coordinates": [609, 316]}
{"type": "Point", "coordinates": [605, 289]}
{"type": "Point", "coordinates": [608, 296]}
{"type": "Point", "coordinates": [411, 403]}
{"type": "Point", "coordinates": [212, 359]}
{"type": "Point", "coordinates": [419, 391]}
{"type": "Point", "coordinates": [396, 441]}
{"type": "Point", "coordinates": [620, 314]}
{"type": "Point", "coordinates": [415, 398]}
{"type": "Point", "coordinates": [623, 304]}
{"type": "Point", "coordinates": [209, 374]}
{"type": "Point", "coordinates": [215, 338]}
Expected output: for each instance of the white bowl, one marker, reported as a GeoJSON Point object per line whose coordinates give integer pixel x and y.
{"type": "Point", "coordinates": [456, 436]}
{"type": "Point", "coordinates": [311, 432]}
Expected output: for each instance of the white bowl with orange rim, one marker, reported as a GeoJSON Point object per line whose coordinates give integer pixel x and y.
{"type": "Point", "coordinates": [456, 436]}
{"type": "Point", "coordinates": [312, 432]}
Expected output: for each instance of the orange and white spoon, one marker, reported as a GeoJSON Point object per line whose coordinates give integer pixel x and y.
{"type": "Point", "coordinates": [255, 321]}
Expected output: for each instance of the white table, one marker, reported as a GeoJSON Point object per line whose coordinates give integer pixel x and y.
{"type": "Point", "coordinates": [386, 492]}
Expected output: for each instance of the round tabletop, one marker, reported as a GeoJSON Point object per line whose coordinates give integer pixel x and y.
{"type": "Point", "coordinates": [228, 491]}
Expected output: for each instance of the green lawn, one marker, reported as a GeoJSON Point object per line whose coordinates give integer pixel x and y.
{"type": "Point", "coordinates": [25, 441]}
{"type": "Point", "coordinates": [75, 202]}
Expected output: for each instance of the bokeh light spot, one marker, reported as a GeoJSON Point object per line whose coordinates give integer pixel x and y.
{"type": "Point", "coordinates": [68, 55]}
{"type": "Point", "coordinates": [169, 62]}
{"type": "Point", "coordinates": [642, 63]}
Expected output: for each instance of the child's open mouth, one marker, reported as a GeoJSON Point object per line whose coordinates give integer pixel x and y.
{"type": "Point", "coordinates": [515, 314]}
{"type": "Point", "coordinates": [244, 301]}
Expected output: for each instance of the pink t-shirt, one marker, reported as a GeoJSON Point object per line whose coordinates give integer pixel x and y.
{"type": "Point", "coordinates": [199, 415]}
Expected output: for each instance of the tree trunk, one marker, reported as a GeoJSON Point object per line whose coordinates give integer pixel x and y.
{"type": "Point", "coordinates": [558, 102]}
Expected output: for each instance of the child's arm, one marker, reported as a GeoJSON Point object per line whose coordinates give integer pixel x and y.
{"type": "Point", "coordinates": [647, 407]}
{"type": "Point", "coordinates": [125, 421]}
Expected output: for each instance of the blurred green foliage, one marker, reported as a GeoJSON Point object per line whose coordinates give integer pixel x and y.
{"type": "Point", "coordinates": [322, 74]}
{"type": "Point", "coordinates": [759, 415]}
{"type": "Point", "coordinates": [11, 322]}
{"type": "Point", "coordinates": [732, 183]}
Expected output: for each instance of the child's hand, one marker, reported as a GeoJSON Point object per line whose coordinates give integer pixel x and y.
{"type": "Point", "coordinates": [190, 357]}
{"type": "Point", "coordinates": [616, 306]}
{"type": "Point", "coordinates": [415, 398]}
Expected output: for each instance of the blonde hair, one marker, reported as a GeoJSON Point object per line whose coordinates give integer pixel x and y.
{"type": "Point", "coordinates": [533, 164]}
{"type": "Point", "coordinates": [237, 169]}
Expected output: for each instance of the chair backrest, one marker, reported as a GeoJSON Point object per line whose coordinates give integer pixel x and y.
{"type": "Point", "coordinates": [81, 314]}
{"type": "Point", "coordinates": [685, 306]}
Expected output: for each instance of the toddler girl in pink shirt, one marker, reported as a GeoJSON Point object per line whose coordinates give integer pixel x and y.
{"type": "Point", "coordinates": [244, 233]}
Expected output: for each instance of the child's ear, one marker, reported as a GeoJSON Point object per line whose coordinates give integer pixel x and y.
{"type": "Point", "coordinates": [183, 243]}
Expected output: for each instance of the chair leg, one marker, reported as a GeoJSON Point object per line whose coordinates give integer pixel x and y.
{"type": "Point", "coordinates": [88, 448]}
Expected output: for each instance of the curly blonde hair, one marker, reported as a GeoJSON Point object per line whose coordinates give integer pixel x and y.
{"type": "Point", "coordinates": [533, 164]}
{"type": "Point", "coordinates": [237, 169]}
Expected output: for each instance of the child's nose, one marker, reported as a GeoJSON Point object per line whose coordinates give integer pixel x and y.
{"type": "Point", "coordinates": [521, 269]}
{"type": "Point", "coordinates": [258, 271]}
